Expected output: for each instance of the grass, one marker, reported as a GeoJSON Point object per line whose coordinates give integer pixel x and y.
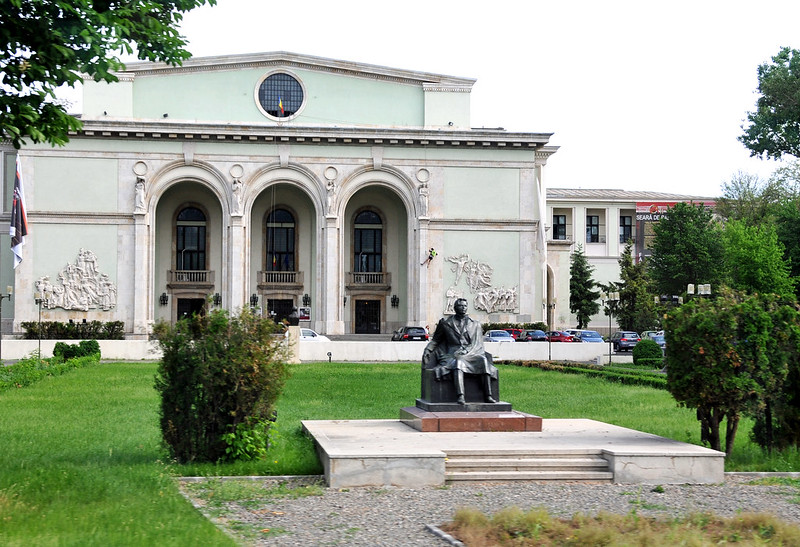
{"type": "Point", "coordinates": [512, 526]}
{"type": "Point", "coordinates": [80, 465]}
{"type": "Point", "coordinates": [81, 454]}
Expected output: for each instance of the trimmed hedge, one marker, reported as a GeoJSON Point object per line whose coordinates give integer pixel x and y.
{"type": "Point", "coordinates": [57, 330]}
{"type": "Point", "coordinates": [32, 369]}
{"type": "Point", "coordinates": [648, 353]}
{"type": "Point", "coordinates": [65, 352]}
{"type": "Point", "coordinates": [524, 326]}
{"type": "Point", "coordinates": [632, 378]}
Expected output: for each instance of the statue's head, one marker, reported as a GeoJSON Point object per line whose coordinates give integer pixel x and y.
{"type": "Point", "coordinates": [460, 306]}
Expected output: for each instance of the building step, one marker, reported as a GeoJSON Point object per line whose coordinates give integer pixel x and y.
{"type": "Point", "coordinates": [498, 466]}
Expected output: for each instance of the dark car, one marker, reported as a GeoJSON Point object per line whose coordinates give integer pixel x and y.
{"type": "Point", "coordinates": [409, 333]}
{"type": "Point", "coordinates": [558, 336]}
{"type": "Point", "coordinates": [624, 340]}
{"type": "Point", "coordinates": [533, 336]}
{"type": "Point", "coordinates": [516, 333]}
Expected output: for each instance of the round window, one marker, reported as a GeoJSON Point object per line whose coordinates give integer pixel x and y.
{"type": "Point", "coordinates": [280, 96]}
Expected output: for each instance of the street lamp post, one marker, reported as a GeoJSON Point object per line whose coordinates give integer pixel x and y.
{"type": "Point", "coordinates": [550, 307]}
{"type": "Point", "coordinates": [9, 291]}
{"type": "Point", "coordinates": [39, 298]}
{"type": "Point", "coordinates": [609, 300]}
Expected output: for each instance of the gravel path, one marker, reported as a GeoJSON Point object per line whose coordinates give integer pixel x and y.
{"type": "Point", "coordinates": [398, 517]}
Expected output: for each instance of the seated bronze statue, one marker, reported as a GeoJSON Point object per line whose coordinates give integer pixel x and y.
{"type": "Point", "coordinates": [456, 349]}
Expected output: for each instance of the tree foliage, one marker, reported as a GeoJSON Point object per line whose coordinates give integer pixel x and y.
{"type": "Point", "coordinates": [50, 43]}
{"type": "Point", "coordinates": [730, 356]}
{"type": "Point", "coordinates": [219, 379]}
{"type": "Point", "coordinates": [582, 288]}
{"type": "Point", "coordinates": [774, 128]}
{"type": "Point", "coordinates": [636, 309]}
{"type": "Point", "coordinates": [754, 259]}
{"type": "Point", "coordinates": [686, 249]}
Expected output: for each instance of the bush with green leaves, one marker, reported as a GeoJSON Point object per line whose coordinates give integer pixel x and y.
{"type": "Point", "coordinates": [219, 378]}
{"type": "Point", "coordinates": [648, 353]}
{"type": "Point", "coordinates": [64, 352]}
{"type": "Point", "coordinates": [82, 330]}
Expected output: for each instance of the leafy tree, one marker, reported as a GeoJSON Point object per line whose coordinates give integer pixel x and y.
{"type": "Point", "coordinates": [219, 379]}
{"type": "Point", "coordinates": [774, 128]}
{"type": "Point", "coordinates": [754, 259]}
{"type": "Point", "coordinates": [751, 199]}
{"type": "Point", "coordinates": [727, 357]}
{"type": "Point", "coordinates": [50, 43]}
{"type": "Point", "coordinates": [787, 227]}
{"type": "Point", "coordinates": [582, 294]}
{"type": "Point", "coordinates": [686, 249]}
{"type": "Point", "coordinates": [636, 310]}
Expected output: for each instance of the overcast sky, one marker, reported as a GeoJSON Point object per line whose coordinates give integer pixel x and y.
{"type": "Point", "coordinates": [638, 95]}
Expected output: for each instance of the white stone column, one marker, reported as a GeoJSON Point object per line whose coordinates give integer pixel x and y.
{"type": "Point", "coordinates": [238, 270]}
{"type": "Point", "coordinates": [143, 298]}
{"type": "Point", "coordinates": [333, 277]}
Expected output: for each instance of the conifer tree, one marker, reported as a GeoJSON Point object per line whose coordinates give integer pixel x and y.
{"type": "Point", "coordinates": [582, 288]}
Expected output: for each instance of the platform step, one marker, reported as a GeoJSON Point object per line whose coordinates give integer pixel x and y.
{"type": "Point", "coordinates": [502, 476]}
{"type": "Point", "coordinates": [492, 465]}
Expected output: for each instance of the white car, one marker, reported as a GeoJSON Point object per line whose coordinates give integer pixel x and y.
{"type": "Point", "coordinates": [308, 335]}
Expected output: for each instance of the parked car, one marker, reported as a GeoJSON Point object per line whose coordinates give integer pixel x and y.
{"type": "Point", "coordinates": [624, 340]}
{"type": "Point", "coordinates": [498, 336]}
{"type": "Point", "coordinates": [404, 334]}
{"type": "Point", "coordinates": [533, 336]}
{"type": "Point", "coordinates": [309, 335]}
{"type": "Point", "coordinates": [516, 333]}
{"type": "Point", "coordinates": [558, 336]}
{"type": "Point", "coordinates": [660, 340]}
{"type": "Point", "coordinates": [589, 336]}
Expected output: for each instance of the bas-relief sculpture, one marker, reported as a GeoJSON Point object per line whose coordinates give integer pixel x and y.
{"type": "Point", "coordinates": [478, 278]}
{"type": "Point", "coordinates": [80, 286]}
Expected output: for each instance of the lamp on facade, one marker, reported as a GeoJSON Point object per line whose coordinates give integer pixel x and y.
{"type": "Point", "coordinates": [253, 300]}
{"type": "Point", "coordinates": [163, 299]}
{"type": "Point", "coordinates": [344, 301]}
{"type": "Point", "coordinates": [217, 299]}
{"type": "Point", "coordinates": [395, 301]}
{"type": "Point", "coordinates": [306, 300]}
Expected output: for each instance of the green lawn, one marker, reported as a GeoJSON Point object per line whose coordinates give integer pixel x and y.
{"type": "Point", "coordinates": [80, 459]}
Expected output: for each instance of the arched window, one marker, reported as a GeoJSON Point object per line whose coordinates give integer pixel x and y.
{"type": "Point", "coordinates": [368, 242]}
{"type": "Point", "coordinates": [190, 245]}
{"type": "Point", "coordinates": [280, 241]}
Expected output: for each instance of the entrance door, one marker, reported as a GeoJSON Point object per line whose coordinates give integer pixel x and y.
{"type": "Point", "coordinates": [282, 307]}
{"type": "Point", "coordinates": [189, 306]}
{"type": "Point", "coordinates": [368, 317]}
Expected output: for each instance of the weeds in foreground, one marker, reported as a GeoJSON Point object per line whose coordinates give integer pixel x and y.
{"type": "Point", "coordinates": [513, 526]}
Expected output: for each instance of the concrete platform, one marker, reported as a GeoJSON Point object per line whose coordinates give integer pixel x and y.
{"type": "Point", "coordinates": [390, 453]}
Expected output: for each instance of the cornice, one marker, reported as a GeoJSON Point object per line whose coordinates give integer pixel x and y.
{"type": "Point", "coordinates": [294, 60]}
{"type": "Point", "coordinates": [187, 131]}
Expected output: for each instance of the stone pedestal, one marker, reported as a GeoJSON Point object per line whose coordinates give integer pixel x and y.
{"type": "Point", "coordinates": [293, 356]}
{"type": "Point", "coordinates": [466, 420]}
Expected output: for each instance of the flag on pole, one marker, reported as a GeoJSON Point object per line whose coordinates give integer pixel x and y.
{"type": "Point", "coordinates": [19, 221]}
{"type": "Point", "coordinates": [280, 104]}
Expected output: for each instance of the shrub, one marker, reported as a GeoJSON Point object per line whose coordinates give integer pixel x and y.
{"type": "Point", "coordinates": [57, 330]}
{"type": "Point", "coordinates": [64, 352]}
{"type": "Point", "coordinates": [648, 353]}
{"type": "Point", "coordinates": [219, 378]}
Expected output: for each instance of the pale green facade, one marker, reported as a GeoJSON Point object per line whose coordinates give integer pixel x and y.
{"type": "Point", "coordinates": [169, 189]}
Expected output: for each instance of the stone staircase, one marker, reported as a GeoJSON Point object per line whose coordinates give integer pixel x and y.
{"type": "Point", "coordinates": [498, 466]}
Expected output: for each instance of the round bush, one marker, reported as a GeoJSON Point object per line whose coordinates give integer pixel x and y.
{"type": "Point", "coordinates": [646, 350]}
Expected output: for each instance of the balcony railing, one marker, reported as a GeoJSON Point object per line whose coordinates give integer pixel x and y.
{"type": "Point", "coordinates": [369, 280]}
{"type": "Point", "coordinates": [280, 278]}
{"type": "Point", "coordinates": [190, 277]}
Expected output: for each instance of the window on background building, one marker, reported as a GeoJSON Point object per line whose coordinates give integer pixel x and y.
{"type": "Point", "coordinates": [559, 226]}
{"type": "Point", "coordinates": [190, 233]}
{"type": "Point", "coordinates": [592, 229]}
{"type": "Point", "coordinates": [368, 243]}
{"type": "Point", "coordinates": [625, 229]}
{"type": "Point", "coordinates": [280, 241]}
